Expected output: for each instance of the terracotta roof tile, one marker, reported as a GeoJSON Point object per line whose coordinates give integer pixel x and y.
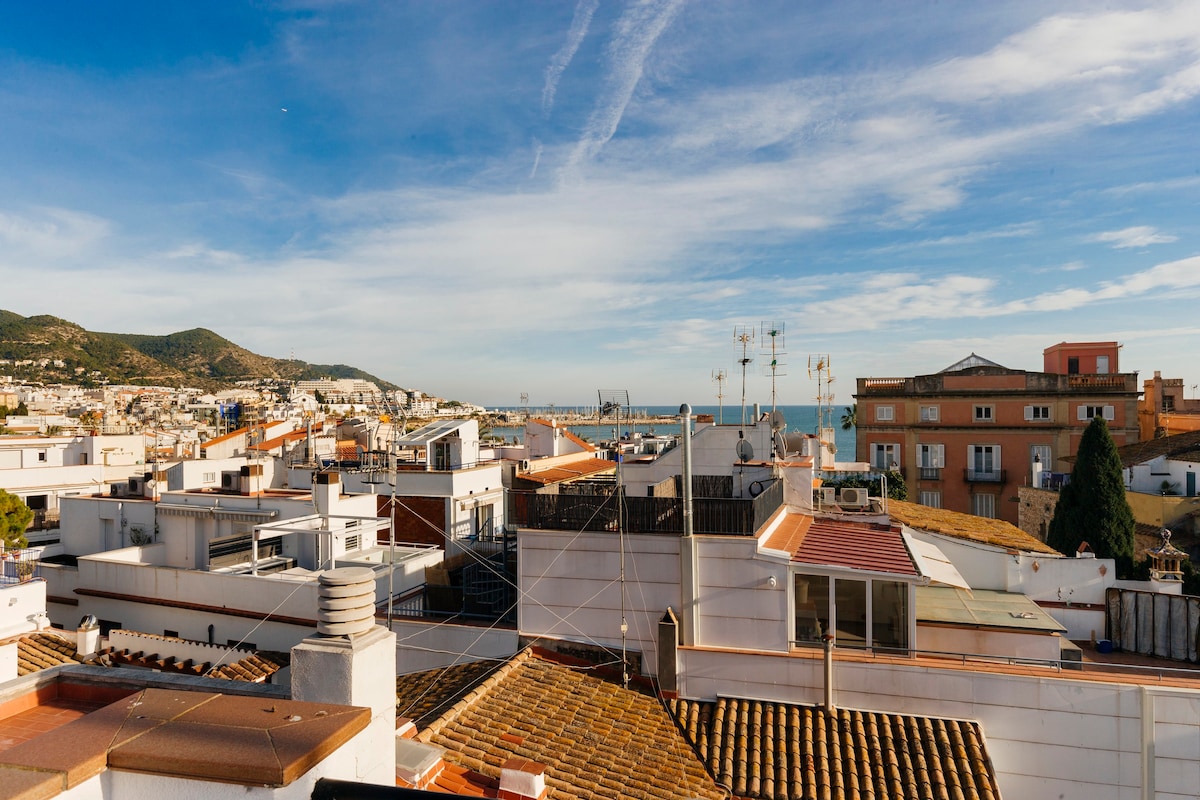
{"type": "Point", "coordinates": [39, 651]}
{"type": "Point", "coordinates": [857, 545]}
{"type": "Point", "coordinates": [569, 471]}
{"type": "Point", "coordinates": [594, 738]}
{"type": "Point", "coordinates": [966, 526]}
{"type": "Point", "coordinates": [782, 751]}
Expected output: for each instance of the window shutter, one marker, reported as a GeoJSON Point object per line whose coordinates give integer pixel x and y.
{"type": "Point", "coordinates": [1108, 413]}
{"type": "Point", "coordinates": [1028, 412]}
{"type": "Point", "coordinates": [1082, 413]}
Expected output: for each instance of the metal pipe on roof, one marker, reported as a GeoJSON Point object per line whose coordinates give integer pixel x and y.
{"type": "Point", "coordinates": [827, 641]}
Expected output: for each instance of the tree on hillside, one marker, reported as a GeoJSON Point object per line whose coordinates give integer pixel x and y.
{"type": "Point", "coordinates": [14, 519]}
{"type": "Point", "coordinates": [1092, 507]}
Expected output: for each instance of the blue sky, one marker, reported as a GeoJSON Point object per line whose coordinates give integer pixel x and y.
{"type": "Point", "coordinates": [484, 199]}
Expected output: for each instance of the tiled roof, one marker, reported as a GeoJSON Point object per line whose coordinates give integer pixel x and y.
{"type": "Point", "coordinates": [784, 752]}
{"type": "Point", "coordinates": [425, 696]}
{"type": "Point", "coordinates": [1171, 446]}
{"type": "Point", "coordinates": [838, 543]}
{"type": "Point", "coordinates": [255, 668]}
{"type": "Point", "coordinates": [569, 471]}
{"type": "Point", "coordinates": [966, 526]}
{"type": "Point", "coordinates": [595, 739]}
{"type": "Point", "coordinates": [39, 651]}
{"type": "Point", "coordinates": [591, 448]}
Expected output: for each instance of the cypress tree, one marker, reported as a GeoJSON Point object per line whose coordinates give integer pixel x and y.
{"type": "Point", "coordinates": [1092, 508]}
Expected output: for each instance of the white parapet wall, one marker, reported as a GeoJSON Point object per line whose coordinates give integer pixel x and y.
{"type": "Point", "coordinates": [1048, 734]}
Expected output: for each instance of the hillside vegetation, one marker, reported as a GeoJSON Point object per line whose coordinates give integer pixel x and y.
{"type": "Point", "coordinates": [196, 357]}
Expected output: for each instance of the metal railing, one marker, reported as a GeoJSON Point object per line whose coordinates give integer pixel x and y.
{"type": "Point", "coordinates": [930, 473]}
{"type": "Point", "coordinates": [985, 475]}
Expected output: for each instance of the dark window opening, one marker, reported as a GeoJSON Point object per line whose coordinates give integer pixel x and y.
{"type": "Point", "coordinates": [1073, 365]}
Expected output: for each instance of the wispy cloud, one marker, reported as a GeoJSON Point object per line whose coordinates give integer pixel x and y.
{"type": "Point", "coordinates": [1139, 236]}
{"type": "Point", "coordinates": [49, 235]}
{"type": "Point", "coordinates": [634, 35]}
{"type": "Point", "coordinates": [1016, 231]}
{"type": "Point", "coordinates": [580, 22]}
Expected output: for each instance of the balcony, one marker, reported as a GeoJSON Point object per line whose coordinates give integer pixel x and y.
{"type": "Point", "coordinates": [985, 476]}
{"type": "Point", "coordinates": [930, 473]}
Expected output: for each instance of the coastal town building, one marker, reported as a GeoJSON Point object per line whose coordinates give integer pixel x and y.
{"type": "Point", "coordinates": [967, 437]}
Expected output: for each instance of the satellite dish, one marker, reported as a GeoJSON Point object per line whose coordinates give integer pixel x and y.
{"type": "Point", "coordinates": [745, 450]}
{"type": "Point", "coordinates": [777, 421]}
{"type": "Point", "coordinates": [780, 445]}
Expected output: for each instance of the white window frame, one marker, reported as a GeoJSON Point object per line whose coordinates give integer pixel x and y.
{"type": "Point", "coordinates": [885, 413]}
{"type": "Point", "coordinates": [994, 449]}
{"type": "Point", "coordinates": [931, 456]}
{"type": "Point", "coordinates": [208, 477]}
{"type": "Point", "coordinates": [1085, 413]}
{"type": "Point", "coordinates": [885, 447]}
{"type": "Point", "coordinates": [929, 413]}
{"type": "Point", "coordinates": [985, 413]}
{"type": "Point", "coordinates": [931, 498]}
{"type": "Point", "coordinates": [983, 504]}
{"type": "Point", "coordinates": [1037, 414]}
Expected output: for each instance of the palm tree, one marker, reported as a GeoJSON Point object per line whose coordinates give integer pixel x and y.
{"type": "Point", "coordinates": [850, 417]}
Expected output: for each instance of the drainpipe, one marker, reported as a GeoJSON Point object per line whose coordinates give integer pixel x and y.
{"type": "Point", "coordinates": [687, 544]}
{"type": "Point", "coordinates": [827, 641]}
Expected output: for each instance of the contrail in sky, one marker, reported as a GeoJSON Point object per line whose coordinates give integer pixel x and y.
{"type": "Point", "coordinates": [559, 62]}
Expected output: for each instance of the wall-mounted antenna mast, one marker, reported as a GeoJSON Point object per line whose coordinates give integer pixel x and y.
{"type": "Point", "coordinates": [719, 377]}
{"type": "Point", "coordinates": [820, 363]}
{"type": "Point", "coordinates": [743, 336]}
{"type": "Point", "coordinates": [772, 343]}
{"type": "Point", "coordinates": [525, 405]}
{"type": "Point", "coordinates": [616, 401]}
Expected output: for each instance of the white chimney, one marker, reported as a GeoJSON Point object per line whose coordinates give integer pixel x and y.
{"type": "Point", "coordinates": [327, 488]}
{"type": "Point", "coordinates": [522, 779]}
{"type": "Point", "coordinates": [352, 661]}
{"type": "Point", "coordinates": [87, 637]}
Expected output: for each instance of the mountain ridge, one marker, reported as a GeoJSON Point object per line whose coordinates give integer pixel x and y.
{"type": "Point", "coordinates": [198, 356]}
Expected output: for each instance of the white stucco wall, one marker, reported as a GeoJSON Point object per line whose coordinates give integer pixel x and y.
{"type": "Point", "coordinates": [738, 607]}
{"type": "Point", "coordinates": [423, 644]}
{"type": "Point", "coordinates": [1049, 735]}
{"type": "Point", "coordinates": [570, 587]}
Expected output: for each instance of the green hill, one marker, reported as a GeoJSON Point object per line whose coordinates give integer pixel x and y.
{"type": "Point", "coordinates": [63, 351]}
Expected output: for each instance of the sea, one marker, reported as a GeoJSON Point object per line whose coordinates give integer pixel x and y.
{"type": "Point", "coordinates": [802, 419]}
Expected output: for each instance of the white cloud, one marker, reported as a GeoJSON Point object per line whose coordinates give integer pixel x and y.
{"type": "Point", "coordinates": [50, 235]}
{"type": "Point", "coordinates": [1085, 51]}
{"type": "Point", "coordinates": [1139, 236]}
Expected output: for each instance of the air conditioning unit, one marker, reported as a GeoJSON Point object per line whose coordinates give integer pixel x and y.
{"type": "Point", "coordinates": [229, 480]}
{"type": "Point", "coordinates": [853, 497]}
{"type": "Point", "coordinates": [135, 486]}
{"type": "Point", "coordinates": [827, 496]}
{"type": "Point", "coordinates": [523, 465]}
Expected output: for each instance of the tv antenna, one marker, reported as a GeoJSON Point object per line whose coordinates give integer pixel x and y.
{"type": "Point", "coordinates": [719, 377]}
{"type": "Point", "coordinates": [743, 335]}
{"type": "Point", "coordinates": [772, 342]}
{"type": "Point", "coordinates": [614, 401]}
{"type": "Point", "coordinates": [820, 364]}
{"type": "Point", "coordinates": [525, 404]}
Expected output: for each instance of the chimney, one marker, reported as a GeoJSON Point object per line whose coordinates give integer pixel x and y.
{"type": "Point", "coordinates": [522, 779]}
{"type": "Point", "coordinates": [327, 488]}
{"type": "Point", "coordinates": [87, 637]}
{"type": "Point", "coordinates": [352, 661]}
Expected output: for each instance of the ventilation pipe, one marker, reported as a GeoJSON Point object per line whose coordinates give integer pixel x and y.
{"type": "Point", "coordinates": [689, 566]}
{"type": "Point", "coordinates": [827, 641]}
